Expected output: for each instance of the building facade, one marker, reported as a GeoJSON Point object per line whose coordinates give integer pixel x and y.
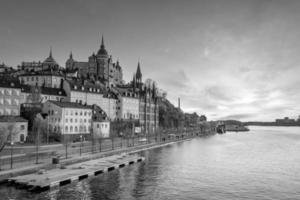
{"type": "Point", "coordinates": [98, 67]}
{"type": "Point", "coordinates": [127, 104]}
{"type": "Point", "coordinates": [67, 118]}
{"type": "Point", "coordinates": [16, 126]}
{"type": "Point", "coordinates": [49, 79]}
{"type": "Point", "coordinates": [10, 97]}
{"type": "Point", "coordinates": [91, 94]}
{"type": "Point", "coordinates": [33, 94]}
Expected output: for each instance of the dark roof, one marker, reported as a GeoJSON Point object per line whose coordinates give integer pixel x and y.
{"type": "Point", "coordinates": [70, 105]}
{"type": "Point", "coordinates": [44, 90]}
{"type": "Point", "coordinates": [9, 82]}
{"type": "Point", "coordinates": [12, 119]}
{"type": "Point", "coordinates": [87, 87]}
{"type": "Point", "coordinates": [43, 73]}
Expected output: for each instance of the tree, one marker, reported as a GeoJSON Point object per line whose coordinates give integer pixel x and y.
{"type": "Point", "coordinates": [203, 118]}
{"type": "Point", "coordinates": [35, 95]}
{"type": "Point", "coordinates": [7, 134]}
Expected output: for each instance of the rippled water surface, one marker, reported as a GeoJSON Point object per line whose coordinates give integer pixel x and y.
{"type": "Point", "coordinates": [261, 164]}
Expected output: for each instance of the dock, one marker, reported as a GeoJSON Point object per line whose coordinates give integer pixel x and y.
{"type": "Point", "coordinates": [45, 180]}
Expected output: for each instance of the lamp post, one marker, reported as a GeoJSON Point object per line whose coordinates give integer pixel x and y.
{"type": "Point", "coordinates": [80, 144]}
{"type": "Point", "coordinates": [11, 154]}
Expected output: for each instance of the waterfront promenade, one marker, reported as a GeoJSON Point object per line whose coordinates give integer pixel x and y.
{"type": "Point", "coordinates": [27, 160]}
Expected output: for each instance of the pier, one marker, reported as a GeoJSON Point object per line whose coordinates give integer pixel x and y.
{"type": "Point", "coordinates": [46, 179]}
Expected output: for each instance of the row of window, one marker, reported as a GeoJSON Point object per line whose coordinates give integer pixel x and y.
{"type": "Point", "coordinates": [8, 101]}
{"type": "Point", "coordinates": [77, 129]}
{"type": "Point", "coordinates": [38, 78]}
{"type": "Point", "coordinates": [80, 113]}
{"type": "Point", "coordinates": [10, 92]}
{"type": "Point", "coordinates": [75, 120]}
{"type": "Point", "coordinates": [102, 125]}
{"type": "Point", "coordinates": [8, 111]}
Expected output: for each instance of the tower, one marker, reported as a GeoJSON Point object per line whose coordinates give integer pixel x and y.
{"type": "Point", "coordinates": [138, 75]}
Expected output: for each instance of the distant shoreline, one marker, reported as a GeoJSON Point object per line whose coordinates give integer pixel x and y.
{"type": "Point", "coordinates": [268, 124]}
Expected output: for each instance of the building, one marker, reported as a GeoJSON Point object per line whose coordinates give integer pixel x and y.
{"type": "Point", "coordinates": [52, 79]}
{"type": "Point", "coordinates": [67, 118]}
{"type": "Point", "coordinates": [34, 94]}
{"type": "Point", "coordinates": [15, 126]}
{"type": "Point", "coordinates": [285, 120]}
{"type": "Point", "coordinates": [10, 96]}
{"type": "Point", "coordinates": [100, 123]}
{"type": "Point", "coordinates": [98, 67]}
{"type": "Point", "coordinates": [89, 93]}
{"type": "Point", "coordinates": [127, 104]}
{"type": "Point", "coordinates": [48, 64]}
{"type": "Point", "coordinates": [31, 66]}
{"type": "Point", "coordinates": [148, 103]}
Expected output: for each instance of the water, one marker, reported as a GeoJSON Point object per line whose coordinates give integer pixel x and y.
{"type": "Point", "coordinates": [261, 164]}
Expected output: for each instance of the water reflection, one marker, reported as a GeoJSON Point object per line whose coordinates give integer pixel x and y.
{"type": "Point", "coordinates": [260, 164]}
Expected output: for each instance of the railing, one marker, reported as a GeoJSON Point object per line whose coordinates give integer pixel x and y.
{"type": "Point", "coordinates": [20, 156]}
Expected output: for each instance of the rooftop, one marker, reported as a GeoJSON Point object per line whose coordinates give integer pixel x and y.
{"type": "Point", "coordinates": [70, 105]}
{"type": "Point", "coordinates": [12, 119]}
{"type": "Point", "coordinates": [44, 90]}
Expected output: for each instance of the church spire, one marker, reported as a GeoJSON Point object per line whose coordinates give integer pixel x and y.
{"type": "Point", "coordinates": [102, 43]}
{"type": "Point", "coordinates": [71, 55]}
{"type": "Point", "coordinates": [138, 72]}
{"type": "Point", "coordinates": [50, 54]}
{"type": "Point", "coordinates": [102, 50]}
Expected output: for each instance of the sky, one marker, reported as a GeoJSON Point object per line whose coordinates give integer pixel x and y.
{"type": "Point", "coordinates": [227, 59]}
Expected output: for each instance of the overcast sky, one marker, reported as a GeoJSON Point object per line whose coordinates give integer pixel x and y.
{"type": "Point", "coordinates": [233, 59]}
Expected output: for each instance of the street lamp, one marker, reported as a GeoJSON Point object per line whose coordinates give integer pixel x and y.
{"type": "Point", "coordinates": [11, 154]}
{"type": "Point", "coordinates": [80, 143]}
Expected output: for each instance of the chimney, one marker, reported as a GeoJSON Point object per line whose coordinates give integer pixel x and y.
{"type": "Point", "coordinates": [179, 103]}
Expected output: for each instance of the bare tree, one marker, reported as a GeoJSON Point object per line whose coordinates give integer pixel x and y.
{"type": "Point", "coordinates": [7, 134]}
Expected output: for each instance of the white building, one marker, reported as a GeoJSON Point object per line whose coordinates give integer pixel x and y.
{"type": "Point", "coordinates": [127, 105]}
{"type": "Point", "coordinates": [53, 94]}
{"type": "Point", "coordinates": [15, 126]}
{"type": "Point", "coordinates": [92, 94]}
{"type": "Point", "coordinates": [42, 78]}
{"type": "Point", "coordinates": [10, 97]}
{"type": "Point", "coordinates": [68, 118]}
{"type": "Point", "coordinates": [101, 129]}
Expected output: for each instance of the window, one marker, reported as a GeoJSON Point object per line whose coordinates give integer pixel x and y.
{"type": "Point", "coordinates": [67, 112]}
{"type": "Point", "coordinates": [81, 113]}
{"type": "Point", "coordinates": [80, 120]}
{"type": "Point", "coordinates": [7, 101]}
{"type": "Point", "coordinates": [75, 120]}
{"type": "Point", "coordinates": [76, 113]}
{"type": "Point", "coordinates": [32, 78]}
{"type": "Point", "coordinates": [1, 101]}
{"type": "Point", "coordinates": [71, 120]}
{"type": "Point", "coordinates": [37, 78]}
{"type": "Point", "coordinates": [76, 129]}
{"type": "Point", "coordinates": [71, 112]}
{"type": "Point", "coordinates": [71, 128]}
{"type": "Point", "coordinates": [97, 125]}
{"type": "Point", "coordinates": [8, 92]}
{"type": "Point", "coordinates": [22, 127]}
{"type": "Point", "coordinates": [66, 120]}
{"type": "Point", "coordinates": [84, 120]}
{"type": "Point", "coordinates": [66, 128]}
{"type": "Point", "coordinates": [85, 113]}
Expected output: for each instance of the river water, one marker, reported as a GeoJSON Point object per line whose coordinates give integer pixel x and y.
{"type": "Point", "coordinates": [261, 164]}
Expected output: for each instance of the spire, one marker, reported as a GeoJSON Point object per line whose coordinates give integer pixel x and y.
{"type": "Point", "coordinates": [50, 54]}
{"type": "Point", "coordinates": [71, 55]}
{"type": "Point", "coordinates": [138, 72]}
{"type": "Point", "coordinates": [102, 43]}
{"type": "Point", "coordinates": [102, 50]}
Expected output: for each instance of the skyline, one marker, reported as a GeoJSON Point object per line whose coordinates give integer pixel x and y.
{"type": "Point", "coordinates": [227, 60]}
